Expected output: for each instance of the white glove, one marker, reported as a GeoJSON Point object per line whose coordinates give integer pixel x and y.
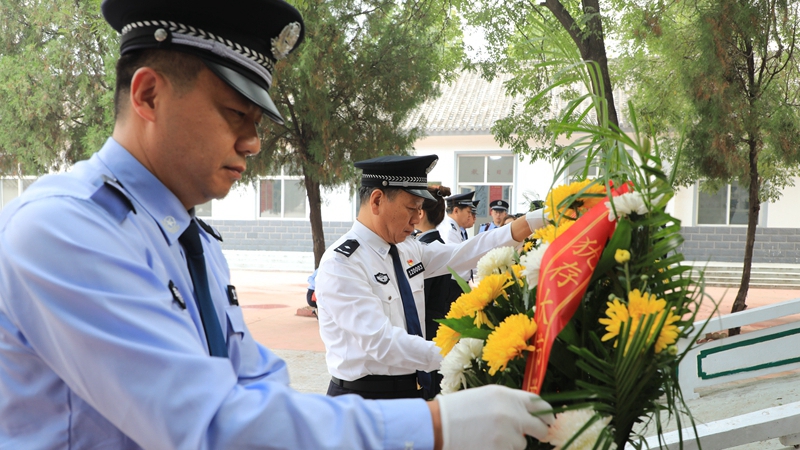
{"type": "Point", "coordinates": [492, 417]}
{"type": "Point", "coordinates": [535, 220]}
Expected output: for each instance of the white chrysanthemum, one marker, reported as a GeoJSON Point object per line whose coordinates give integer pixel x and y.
{"type": "Point", "coordinates": [459, 358]}
{"type": "Point", "coordinates": [498, 260]}
{"type": "Point", "coordinates": [629, 202]}
{"type": "Point", "coordinates": [532, 261]}
{"type": "Point", "coordinates": [625, 204]}
{"type": "Point", "coordinates": [568, 423]}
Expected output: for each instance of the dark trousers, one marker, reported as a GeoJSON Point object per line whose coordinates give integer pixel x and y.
{"type": "Point", "coordinates": [370, 387]}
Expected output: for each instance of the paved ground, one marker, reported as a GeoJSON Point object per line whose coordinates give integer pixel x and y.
{"type": "Point", "coordinates": [270, 301]}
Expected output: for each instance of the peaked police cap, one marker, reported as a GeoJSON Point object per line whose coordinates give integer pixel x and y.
{"type": "Point", "coordinates": [409, 173]}
{"type": "Point", "coordinates": [240, 40]}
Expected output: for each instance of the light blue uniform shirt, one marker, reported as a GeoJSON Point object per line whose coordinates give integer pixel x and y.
{"type": "Point", "coordinates": [484, 227]}
{"type": "Point", "coordinates": [95, 352]}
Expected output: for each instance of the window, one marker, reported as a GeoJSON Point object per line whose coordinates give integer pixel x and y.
{"type": "Point", "coordinates": [11, 188]}
{"type": "Point", "coordinates": [728, 206]}
{"type": "Point", "coordinates": [282, 196]}
{"type": "Point", "coordinates": [490, 176]}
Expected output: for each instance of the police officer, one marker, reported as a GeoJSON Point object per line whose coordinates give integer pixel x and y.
{"type": "Point", "coordinates": [370, 283]}
{"type": "Point", "coordinates": [473, 213]}
{"type": "Point", "coordinates": [118, 324]}
{"type": "Point", "coordinates": [459, 212]}
{"type": "Point", "coordinates": [499, 212]}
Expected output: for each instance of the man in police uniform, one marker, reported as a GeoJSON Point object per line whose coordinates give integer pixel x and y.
{"type": "Point", "coordinates": [458, 209]}
{"type": "Point", "coordinates": [118, 324]}
{"type": "Point", "coordinates": [370, 283]}
{"type": "Point", "coordinates": [473, 214]}
{"type": "Point", "coordinates": [499, 212]}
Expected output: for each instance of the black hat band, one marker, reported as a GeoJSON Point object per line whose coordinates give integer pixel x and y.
{"type": "Point", "coordinates": [369, 179]}
{"type": "Point", "coordinates": [195, 37]}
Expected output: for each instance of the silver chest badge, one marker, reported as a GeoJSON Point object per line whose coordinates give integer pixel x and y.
{"type": "Point", "coordinates": [284, 43]}
{"type": "Point", "coordinates": [170, 224]}
{"type": "Point", "coordinates": [381, 278]}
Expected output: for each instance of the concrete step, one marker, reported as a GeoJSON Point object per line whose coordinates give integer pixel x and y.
{"type": "Point", "coordinates": [761, 275]}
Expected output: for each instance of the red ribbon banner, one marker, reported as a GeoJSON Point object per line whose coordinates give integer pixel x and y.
{"type": "Point", "coordinates": [567, 267]}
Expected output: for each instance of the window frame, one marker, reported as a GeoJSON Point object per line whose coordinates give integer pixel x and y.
{"type": "Point", "coordinates": [283, 177]}
{"type": "Point", "coordinates": [20, 187]}
{"type": "Point", "coordinates": [512, 185]}
{"type": "Point", "coordinates": [696, 210]}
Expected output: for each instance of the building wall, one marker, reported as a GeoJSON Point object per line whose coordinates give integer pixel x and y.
{"type": "Point", "coordinates": [236, 216]}
{"type": "Point", "coordinates": [726, 244]}
{"type": "Point", "coordinates": [274, 235]}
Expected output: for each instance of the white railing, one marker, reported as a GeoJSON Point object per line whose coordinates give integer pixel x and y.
{"type": "Point", "coordinates": [763, 352]}
{"type": "Point", "coordinates": [758, 353]}
{"type": "Point", "coordinates": [777, 422]}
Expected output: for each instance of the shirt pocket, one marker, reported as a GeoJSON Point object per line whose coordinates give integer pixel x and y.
{"type": "Point", "coordinates": [392, 305]}
{"type": "Point", "coordinates": [236, 326]}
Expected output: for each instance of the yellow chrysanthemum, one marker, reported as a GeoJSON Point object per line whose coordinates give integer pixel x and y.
{"type": "Point", "coordinates": [518, 269]}
{"type": "Point", "coordinates": [508, 341]}
{"type": "Point", "coordinates": [622, 256]}
{"type": "Point", "coordinates": [446, 338]}
{"type": "Point", "coordinates": [472, 303]}
{"type": "Point", "coordinates": [554, 209]}
{"type": "Point", "coordinates": [551, 232]}
{"type": "Point", "coordinates": [639, 307]}
{"type": "Point", "coordinates": [527, 247]}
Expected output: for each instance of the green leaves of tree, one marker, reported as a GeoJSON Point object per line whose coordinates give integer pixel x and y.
{"type": "Point", "coordinates": [56, 83]}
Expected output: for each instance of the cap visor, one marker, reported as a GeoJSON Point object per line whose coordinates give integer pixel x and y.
{"type": "Point", "coordinates": [248, 88]}
{"type": "Point", "coordinates": [421, 193]}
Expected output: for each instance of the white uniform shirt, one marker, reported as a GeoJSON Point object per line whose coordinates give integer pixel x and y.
{"type": "Point", "coordinates": [450, 231]}
{"type": "Point", "coordinates": [360, 310]}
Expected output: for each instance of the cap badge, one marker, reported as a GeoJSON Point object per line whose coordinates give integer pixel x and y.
{"type": "Point", "coordinates": [160, 35]}
{"type": "Point", "coordinates": [433, 164]}
{"type": "Point", "coordinates": [284, 43]}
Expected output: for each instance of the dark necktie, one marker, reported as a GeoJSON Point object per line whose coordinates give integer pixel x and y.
{"type": "Point", "coordinates": [193, 248]}
{"type": "Point", "coordinates": [409, 309]}
{"type": "Point", "coordinates": [463, 235]}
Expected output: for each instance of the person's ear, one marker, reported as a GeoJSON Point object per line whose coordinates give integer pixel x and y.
{"type": "Point", "coordinates": [375, 198]}
{"type": "Point", "coordinates": [146, 87]}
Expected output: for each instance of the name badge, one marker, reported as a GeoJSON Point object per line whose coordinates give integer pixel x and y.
{"type": "Point", "coordinates": [415, 270]}
{"type": "Point", "coordinates": [176, 295]}
{"type": "Point", "coordinates": [233, 299]}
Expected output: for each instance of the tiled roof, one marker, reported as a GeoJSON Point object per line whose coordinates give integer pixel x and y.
{"type": "Point", "coordinates": [468, 105]}
{"type": "Point", "coordinates": [471, 105]}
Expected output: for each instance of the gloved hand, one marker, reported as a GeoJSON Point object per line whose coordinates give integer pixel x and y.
{"type": "Point", "coordinates": [492, 417]}
{"type": "Point", "coordinates": [535, 220]}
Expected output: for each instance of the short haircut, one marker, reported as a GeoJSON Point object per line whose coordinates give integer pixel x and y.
{"type": "Point", "coordinates": [180, 68]}
{"type": "Point", "coordinates": [364, 192]}
{"type": "Point", "coordinates": [434, 210]}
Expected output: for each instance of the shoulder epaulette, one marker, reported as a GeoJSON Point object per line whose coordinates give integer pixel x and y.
{"type": "Point", "coordinates": [209, 229]}
{"type": "Point", "coordinates": [348, 247]}
{"type": "Point", "coordinates": [453, 226]}
{"type": "Point", "coordinates": [112, 197]}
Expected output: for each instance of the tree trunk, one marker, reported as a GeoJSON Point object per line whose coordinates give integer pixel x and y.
{"type": "Point", "coordinates": [591, 45]}
{"type": "Point", "coordinates": [752, 221]}
{"type": "Point", "coordinates": [315, 216]}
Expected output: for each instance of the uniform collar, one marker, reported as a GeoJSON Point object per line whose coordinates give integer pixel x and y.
{"type": "Point", "coordinates": [146, 189]}
{"type": "Point", "coordinates": [425, 233]}
{"type": "Point", "coordinates": [370, 239]}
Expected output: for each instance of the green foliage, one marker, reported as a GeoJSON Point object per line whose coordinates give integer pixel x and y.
{"type": "Point", "coordinates": [56, 83]}
{"type": "Point", "coordinates": [552, 50]}
{"type": "Point", "coordinates": [722, 77]}
{"type": "Point", "coordinates": [346, 92]}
